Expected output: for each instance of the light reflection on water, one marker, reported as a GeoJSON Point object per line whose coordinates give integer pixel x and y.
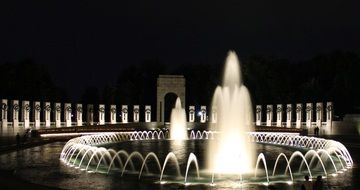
{"type": "Point", "coordinates": [41, 165]}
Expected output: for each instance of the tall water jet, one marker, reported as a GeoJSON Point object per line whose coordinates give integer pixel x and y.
{"type": "Point", "coordinates": [178, 129]}
{"type": "Point", "coordinates": [231, 152]}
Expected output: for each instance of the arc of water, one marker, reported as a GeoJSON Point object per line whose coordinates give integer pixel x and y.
{"type": "Point", "coordinates": [261, 157]}
{"type": "Point", "coordinates": [287, 164]}
{"type": "Point", "coordinates": [192, 158]}
{"type": "Point", "coordinates": [85, 154]}
{"type": "Point", "coordinates": [121, 152]}
{"type": "Point", "coordinates": [314, 154]}
{"type": "Point", "coordinates": [148, 156]}
{"type": "Point", "coordinates": [101, 149]}
{"type": "Point", "coordinates": [136, 153]}
{"type": "Point", "coordinates": [328, 156]}
{"type": "Point", "coordinates": [108, 153]}
{"type": "Point", "coordinates": [169, 156]}
{"type": "Point", "coordinates": [294, 155]}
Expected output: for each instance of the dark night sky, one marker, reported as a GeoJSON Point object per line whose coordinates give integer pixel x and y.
{"type": "Point", "coordinates": [88, 42]}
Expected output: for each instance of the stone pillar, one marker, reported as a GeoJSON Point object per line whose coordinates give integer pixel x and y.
{"type": "Point", "coordinates": [57, 114]}
{"type": "Point", "coordinates": [191, 114]}
{"type": "Point", "coordinates": [213, 114]}
{"type": "Point", "coordinates": [309, 113]}
{"type": "Point", "coordinates": [288, 115]}
{"type": "Point", "coordinates": [202, 114]}
{"type": "Point", "coordinates": [136, 113]}
{"type": "Point", "coordinates": [279, 113]}
{"type": "Point", "coordinates": [36, 116]}
{"type": "Point", "coordinates": [4, 112]}
{"type": "Point", "coordinates": [79, 111]}
{"type": "Point", "coordinates": [47, 114]}
{"type": "Point", "coordinates": [124, 113]}
{"type": "Point", "coordinates": [90, 114]}
{"type": "Point", "coordinates": [25, 113]}
{"type": "Point", "coordinates": [319, 113]}
{"type": "Point", "coordinates": [329, 113]}
{"type": "Point", "coordinates": [67, 114]}
{"type": "Point", "coordinates": [112, 114]}
{"type": "Point", "coordinates": [269, 114]}
{"type": "Point", "coordinates": [15, 113]}
{"type": "Point", "coordinates": [298, 115]}
{"type": "Point", "coordinates": [147, 113]}
{"type": "Point", "coordinates": [101, 114]}
{"type": "Point", "coordinates": [258, 115]}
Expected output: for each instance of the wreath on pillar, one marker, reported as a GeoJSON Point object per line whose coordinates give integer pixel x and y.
{"type": "Point", "coordinates": [147, 110]}
{"type": "Point", "coordinates": [279, 109]}
{"type": "Point", "coordinates": [329, 108]}
{"type": "Point", "coordinates": [47, 108]}
{"type": "Point", "coordinates": [16, 107]}
{"type": "Point", "coordinates": [318, 108]}
{"type": "Point", "coordinates": [124, 110]}
{"type": "Point", "coordinates": [37, 108]}
{"type": "Point", "coordinates": [258, 110]}
{"type": "Point", "coordinates": [79, 109]}
{"type": "Point", "coordinates": [308, 108]}
{"type": "Point", "coordinates": [268, 109]}
{"type": "Point", "coordinates": [298, 109]}
{"type": "Point", "coordinates": [58, 108]}
{"type": "Point", "coordinates": [68, 108]}
{"type": "Point", "coordinates": [136, 110]}
{"type": "Point", "coordinates": [191, 110]}
{"type": "Point", "coordinates": [4, 107]}
{"type": "Point", "coordinates": [101, 109]}
{"type": "Point", "coordinates": [91, 110]}
{"type": "Point", "coordinates": [27, 108]}
{"type": "Point", "coordinates": [203, 111]}
{"type": "Point", "coordinates": [288, 109]}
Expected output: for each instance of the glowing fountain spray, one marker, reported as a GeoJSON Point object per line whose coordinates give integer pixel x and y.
{"type": "Point", "coordinates": [231, 152]}
{"type": "Point", "coordinates": [178, 129]}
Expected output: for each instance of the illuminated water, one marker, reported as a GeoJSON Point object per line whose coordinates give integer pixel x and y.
{"type": "Point", "coordinates": [178, 130]}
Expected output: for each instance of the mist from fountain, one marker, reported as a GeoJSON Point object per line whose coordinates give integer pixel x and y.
{"type": "Point", "coordinates": [178, 129]}
{"type": "Point", "coordinates": [231, 152]}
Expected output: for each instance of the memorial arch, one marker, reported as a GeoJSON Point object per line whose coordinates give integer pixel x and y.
{"type": "Point", "coordinates": [168, 84]}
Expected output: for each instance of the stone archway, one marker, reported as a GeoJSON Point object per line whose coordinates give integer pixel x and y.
{"type": "Point", "coordinates": [168, 84]}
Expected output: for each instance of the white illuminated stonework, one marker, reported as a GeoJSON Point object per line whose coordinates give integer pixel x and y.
{"type": "Point", "coordinates": [202, 114]}
{"type": "Point", "coordinates": [136, 113]}
{"type": "Point", "coordinates": [319, 113]}
{"type": "Point", "coordinates": [79, 112]}
{"type": "Point", "coordinates": [4, 112]}
{"type": "Point", "coordinates": [36, 116]}
{"type": "Point", "coordinates": [47, 114]}
{"type": "Point", "coordinates": [298, 115]}
{"type": "Point", "coordinates": [191, 114]}
{"type": "Point", "coordinates": [15, 112]}
{"type": "Point", "coordinates": [25, 113]}
{"type": "Point", "coordinates": [214, 115]}
{"type": "Point", "coordinates": [57, 112]}
{"type": "Point", "coordinates": [269, 114]}
{"type": "Point", "coordinates": [288, 115]}
{"type": "Point", "coordinates": [279, 113]}
{"type": "Point", "coordinates": [101, 114]}
{"type": "Point", "coordinates": [67, 114]}
{"type": "Point", "coordinates": [309, 113]}
{"type": "Point", "coordinates": [258, 115]}
{"type": "Point", "coordinates": [329, 113]}
{"type": "Point", "coordinates": [90, 114]}
{"type": "Point", "coordinates": [112, 114]}
{"type": "Point", "coordinates": [124, 113]}
{"type": "Point", "coordinates": [147, 113]}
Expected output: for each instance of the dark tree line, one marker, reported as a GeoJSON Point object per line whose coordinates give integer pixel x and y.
{"type": "Point", "coordinates": [271, 80]}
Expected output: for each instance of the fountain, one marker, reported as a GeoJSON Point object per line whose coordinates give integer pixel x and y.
{"type": "Point", "coordinates": [178, 129]}
{"type": "Point", "coordinates": [232, 103]}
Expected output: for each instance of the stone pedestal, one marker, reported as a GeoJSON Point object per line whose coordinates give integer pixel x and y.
{"type": "Point", "coordinates": [112, 114]}
{"type": "Point", "coordinates": [288, 115]}
{"type": "Point", "coordinates": [258, 115]}
{"type": "Point", "coordinates": [36, 114]}
{"type": "Point", "coordinates": [67, 114]}
{"type": "Point", "coordinates": [269, 114]}
{"type": "Point", "coordinates": [25, 113]}
{"type": "Point", "coordinates": [79, 115]}
{"type": "Point", "coordinates": [309, 113]}
{"type": "Point", "coordinates": [279, 113]}
{"type": "Point", "coordinates": [90, 114]}
{"type": "Point", "coordinates": [47, 114]}
{"type": "Point", "coordinates": [15, 113]}
{"type": "Point", "coordinates": [147, 113]}
{"type": "Point", "coordinates": [319, 113]}
{"type": "Point", "coordinates": [101, 114]}
{"type": "Point", "coordinates": [57, 112]}
{"type": "Point", "coordinates": [136, 113]}
{"type": "Point", "coordinates": [329, 113]}
{"type": "Point", "coordinates": [298, 115]}
{"type": "Point", "coordinates": [213, 114]}
{"type": "Point", "coordinates": [124, 113]}
{"type": "Point", "coordinates": [191, 114]}
{"type": "Point", "coordinates": [203, 114]}
{"type": "Point", "coordinates": [4, 112]}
